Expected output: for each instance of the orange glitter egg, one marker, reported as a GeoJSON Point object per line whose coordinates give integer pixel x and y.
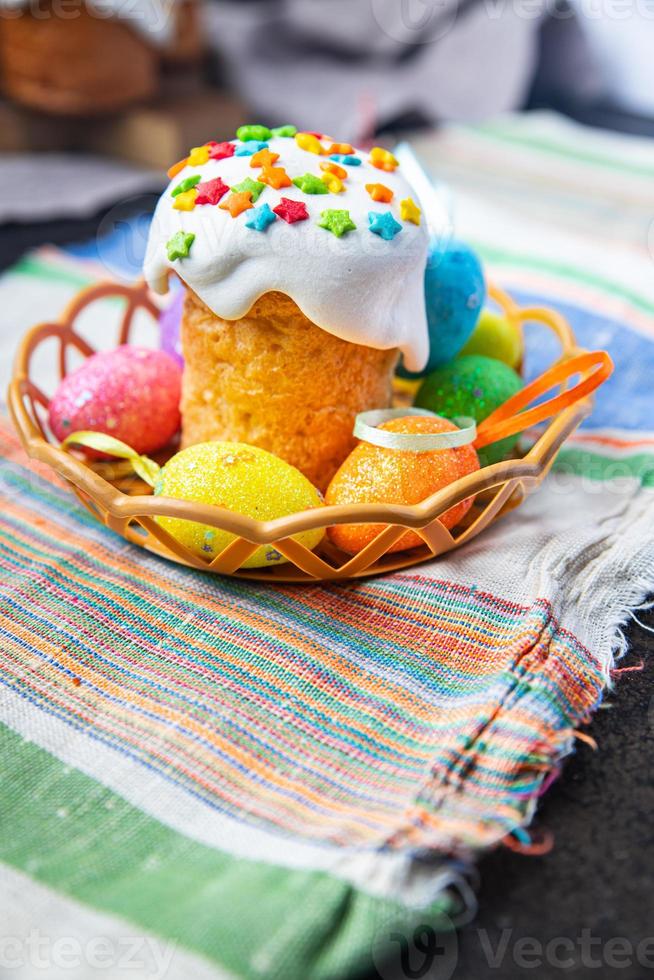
{"type": "Point", "coordinates": [373, 475]}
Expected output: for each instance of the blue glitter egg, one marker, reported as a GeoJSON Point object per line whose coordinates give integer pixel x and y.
{"type": "Point", "coordinates": [455, 292]}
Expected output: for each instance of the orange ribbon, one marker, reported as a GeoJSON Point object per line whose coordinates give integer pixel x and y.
{"type": "Point", "coordinates": [509, 419]}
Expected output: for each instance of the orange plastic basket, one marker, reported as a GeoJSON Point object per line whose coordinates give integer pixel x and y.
{"type": "Point", "coordinates": [120, 501]}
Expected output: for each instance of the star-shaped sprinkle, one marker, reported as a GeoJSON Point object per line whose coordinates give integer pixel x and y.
{"type": "Point", "coordinates": [338, 222]}
{"type": "Point", "coordinates": [309, 142]}
{"type": "Point", "coordinates": [179, 246]}
{"type": "Point", "coordinates": [211, 191]}
{"type": "Point", "coordinates": [380, 192]}
{"type": "Point", "coordinates": [237, 203]}
{"type": "Point", "coordinates": [346, 159]}
{"type": "Point", "coordinates": [250, 148]}
{"type": "Point", "coordinates": [275, 177]}
{"type": "Point", "coordinates": [198, 156]}
{"type": "Point", "coordinates": [255, 188]}
{"type": "Point", "coordinates": [264, 158]}
{"type": "Point", "coordinates": [310, 184]}
{"type": "Point", "coordinates": [253, 132]}
{"type": "Point", "coordinates": [333, 183]}
{"type": "Point", "coordinates": [291, 211]}
{"type": "Point", "coordinates": [287, 132]}
{"type": "Point", "coordinates": [221, 151]}
{"type": "Point", "coordinates": [383, 223]}
{"type": "Point", "coordinates": [333, 168]}
{"type": "Point", "coordinates": [177, 168]}
{"type": "Point", "coordinates": [409, 211]}
{"type": "Point", "coordinates": [260, 218]}
{"type": "Point", "coordinates": [383, 159]}
{"type": "Point", "coordinates": [185, 201]}
{"type": "Point", "coordinates": [187, 184]}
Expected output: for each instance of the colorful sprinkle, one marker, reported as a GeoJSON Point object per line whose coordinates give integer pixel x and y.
{"type": "Point", "coordinates": [198, 156]}
{"type": "Point", "coordinates": [211, 191]}
{"type": "Point", "coordinates": [347, 160]}
{"type": "Point", "coordinates": [254, 187]}
{"type": "Point", "coordinates": [309, 142]}
{"type": "Point", "coordinates": [260, 218]}
{"type": "Point", "coordinates": [310, 184]}
{"type": "Point", "coordinates": [383, 223]}
{"type": "Point", "coordinates": [383, 159]}
{"type": "Point", "coordinates": [342, 149]}
{"type": "Point", "coordinates": [291, 211]}
{"type": "Point", "coordinates": [253, 132]}
{"type": "Point", "coordinates": [187, 184]}
{"type": "Point", "coordinates": [177, 168]}
{"type": "Point", "coordinates": [275, 177]}
{"type": "Point", "coordinates": [185, 201]}
{"type": "Point", "coordinates": [179, 246]}
{"type": "Point", "coordinates": [250, 148]}
{"type": "Point", "coordinates": [284, 132]}
{"type": "Point", "coordinates": [333, 168]}
{"type": "Point", "coordinates": [333, 183]}
{"type": "Point", "coordinates": [237, 203]}
{"type": "Point", "coordinates": [264, 158]}
{"type": "Point", "coordinates": [338, 222]}
{"type": "Point", "coordinates": [409, 211]}
{"type": "Point", "coordinates": [379, 192]}
{"type": "Point", "coordinates": [221, 151]}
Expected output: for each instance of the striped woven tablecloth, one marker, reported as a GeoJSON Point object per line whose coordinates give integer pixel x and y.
{"type": "Point", "coordinates": [202, 777]}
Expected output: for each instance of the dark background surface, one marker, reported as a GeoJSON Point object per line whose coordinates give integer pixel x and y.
{"type": "Point", "coordinates": [599, 875]}
{"type": "Point", "coordinates": [600, 872]}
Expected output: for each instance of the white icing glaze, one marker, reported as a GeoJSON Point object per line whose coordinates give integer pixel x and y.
{"type": "Point", "coordinates": [358, 287]}
{"type": "Point", "coordinates": [156, 20]}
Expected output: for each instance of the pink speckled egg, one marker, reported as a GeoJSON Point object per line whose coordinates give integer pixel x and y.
{"type": "Point", "coordinates": [131, 393]}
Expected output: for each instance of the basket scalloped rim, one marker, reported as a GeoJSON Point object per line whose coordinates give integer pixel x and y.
{"type": "Point", "coordinates": [502, 486]}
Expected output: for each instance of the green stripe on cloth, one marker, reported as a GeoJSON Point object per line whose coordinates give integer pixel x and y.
{"type": "Point", "coordinates": [505, 133]}
{"type": "Point", "coordinates": [46, 271]}
{"type": "Point", "coordinates": [73, 834]}
{"type": "Point", "coordinates": [500, 257]}
{"type": "Point", "coordinates": [594, 466]}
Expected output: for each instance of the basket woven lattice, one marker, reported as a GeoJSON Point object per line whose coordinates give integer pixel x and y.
{"type": "Point", "coordinates": [122, 503]}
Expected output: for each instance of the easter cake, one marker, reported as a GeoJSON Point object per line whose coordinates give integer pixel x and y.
{"type": "Point", "coordinates": [101, 56]}
{"type": "Point", "coordinates": [303, 261]}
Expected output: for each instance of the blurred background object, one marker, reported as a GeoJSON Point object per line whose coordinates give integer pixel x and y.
{"type": "Point", "coordinates": [91, 58]}
{"type": "Point", "coordinates": [139, 82]}
{"type": "Point", "coordinates": [621, 39]}
{"type": "Point", "coordinates": [145, 79]}
{"type": "Point", "coordinates": [358, 68]}
{"type": "Point", "coordinates": [122, 78]}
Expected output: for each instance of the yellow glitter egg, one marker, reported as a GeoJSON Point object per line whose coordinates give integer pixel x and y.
{"type": "Point", "coordinates": [496, 336]}
{"type": "Point", "coordinates": [373, 475]}
{"type": "Point", "coordinates": [243, 479]}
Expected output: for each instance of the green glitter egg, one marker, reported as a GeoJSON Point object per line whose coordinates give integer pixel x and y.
{"type": "Point", "coordinates": [243, 479]}
{"type": "Point", "coordinates": [475, 386]}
